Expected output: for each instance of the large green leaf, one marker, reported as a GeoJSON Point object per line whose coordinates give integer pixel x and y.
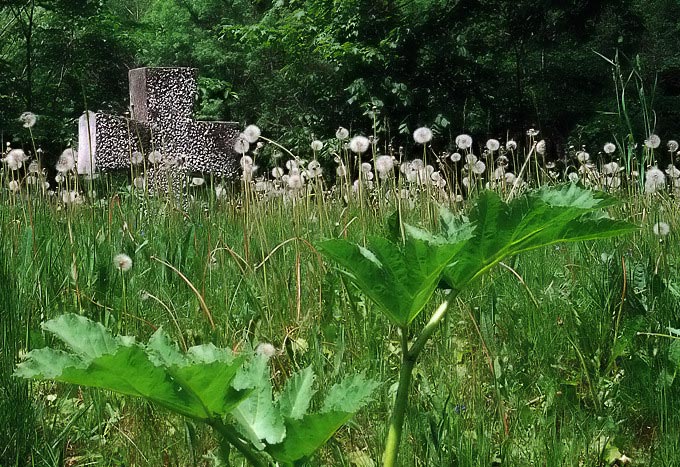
{"type": "Point", "coordinates": [258, 417]}
{"type": "Point", "coordinates": [400, 279]}
{"type": "Point", "coordinates": [545, 217]}
{"type": "Point", "coordinates": [297, 394]}
{"type": "Point", "coordinates": [196, 384]}
{"type": "Point", "coordinates": [307, 434]}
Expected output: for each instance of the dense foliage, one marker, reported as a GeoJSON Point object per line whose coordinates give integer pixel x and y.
{"type": "Point", "coordinates": [304, 67]}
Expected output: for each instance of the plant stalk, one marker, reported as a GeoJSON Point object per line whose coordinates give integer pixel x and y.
{"type": "Point", "coordinates": [400, 404]}
{"type": "Point", "coordinates": [409, 357]}
{"type": "Point", "coordinates": [229, 435]}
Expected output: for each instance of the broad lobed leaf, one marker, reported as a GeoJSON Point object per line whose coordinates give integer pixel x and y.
{"type": "Point", "coordinates": [399, 279]}
{"type": "Point", "coordinates": [197, 384]}
{"type": "Point", "coordinates": [539, 219]}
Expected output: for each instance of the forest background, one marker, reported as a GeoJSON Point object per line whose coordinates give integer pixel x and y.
{"type": "Point", "coordinates": [301, 68]}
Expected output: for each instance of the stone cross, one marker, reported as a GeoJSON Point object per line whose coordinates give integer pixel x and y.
{"type": "Point", "coordinates": [161, 125]}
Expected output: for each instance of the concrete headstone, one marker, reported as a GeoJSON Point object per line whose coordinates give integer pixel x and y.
{"type": "Point", "coordinates": [161, 124]}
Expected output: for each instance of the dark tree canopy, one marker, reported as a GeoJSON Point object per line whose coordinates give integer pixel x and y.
{"type": "Point", "coordinates": [301, 68]}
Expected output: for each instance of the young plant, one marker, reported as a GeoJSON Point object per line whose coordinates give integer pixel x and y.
{"type": "Point", "coordinates": [230, 392]}
{"type": "Point", "coordinates": [401, 276]}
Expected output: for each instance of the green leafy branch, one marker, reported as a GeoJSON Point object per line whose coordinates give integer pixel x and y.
{"type": "Point", "coordinates": [402, 276]}
{"type": "Point", "coordinates": [231, 393]}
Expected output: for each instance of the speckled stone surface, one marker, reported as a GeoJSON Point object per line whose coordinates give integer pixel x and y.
{"type": "Point", "coordinates": [162, 102]}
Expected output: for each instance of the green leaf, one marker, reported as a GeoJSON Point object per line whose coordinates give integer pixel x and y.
{"type": "Point", "coordinates": [304, 436]}
{"type": "Point", "coordinates": [350, 394]}
{"type": "Point", "coordinates": [258, 417]}
{"type": "Point", "coordinates": [545, 217]}
{"type": "Point", "coordinates": [399, 279]}
{"type": "Point", "coordinates": [86, 338]}
{"type": "Point", "coordinates": [297, 394]}
{"type": "Point", "coordinates": [197, 385]}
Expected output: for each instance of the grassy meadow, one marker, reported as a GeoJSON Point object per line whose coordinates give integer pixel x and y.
{"type": "Point", "coordinates": [562, 356]}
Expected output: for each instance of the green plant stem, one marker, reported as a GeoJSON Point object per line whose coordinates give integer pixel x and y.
{"type": "Point", "coordinates": [230, 435]}
{"type": "Point", "coordinates": [400, 404]}
{"type": "Point", "coordinates": [408, 360]}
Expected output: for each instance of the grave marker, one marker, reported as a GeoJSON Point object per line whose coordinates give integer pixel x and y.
{"type": "Point", "coordinates": [161, 120]}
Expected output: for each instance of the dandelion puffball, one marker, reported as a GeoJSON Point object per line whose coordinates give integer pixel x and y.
{"type": "Point", "coordinates": [28, 119]}
{"type": "Point", "coordinates": [342, 133]}
{"type": "Point", "coordinates": [493, 144]}
{"type": "Point", "coordinates": [609, 148]}
{"type": "Point", "coordinates": [661, 229]}
{"type": "Point", "coordinates": [464, 141]}
{"type": "Point", "coordinates": [251, 134]}
{"type": "Point", "coordinates": [422, 135]}
{"type": "Point", "coordinates": [122, 262]}
{"type": "Point", "coordinates": [359, 144]}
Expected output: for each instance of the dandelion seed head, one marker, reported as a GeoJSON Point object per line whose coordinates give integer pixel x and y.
{"type": "Point", "coordinates": [384, 164]}
{"type": "Point", "coordinates": [583, 157]}
{"type": "Point", "coordinates": [653, 141]}
{"type": "Point", "coordinates": [661, 229]}
{"type": "Point", "coordinates": [541, 147]}
{"type": "Point", "coordinates": [241, 145]}
{"type": "Point", "coordinates": [464, 141]}
{"type": "Point", "coordinates": [511, 145]}
{"type": "Point", "coordinates": [66, 162]}
{"type": "Point", "coordinates": [265, 349]}
{"type": "Point", "coordinates": [470, 159]}
{"type": "Point", "coordinates": [609, 148]}
{"type": "Point", "coordinates": [14, 186]}
{"type": "Point", "coordinates": [314, 169]}
{"type": "Point", "coordinates": [28, 119]}
{"type": "Point", "coordinates": [246, 162]}
{"type": "Point", "coordinates": [295, 182]}
{"type": "Point", "coordinates": [251, 134]}
{"type": "Point", "coordinates": [342, 133]}
{"type": "Point", "coordinates": [531, 132]}
{"type": "Point", "coordinates": [455, 157]}
{"type": "Point", "coordinates": [493, 145]}
{"type": "Point", "coordinates": [611, 168]}
{"type": "Point", "coordinates": [122, 262]}
{"type": "Point", "coordinates": [136, 158]}
{"type": "Point", "coordinates": [277, 172]}
{"type": "Point", "coordinates": [672, 171]}
{"type": "Point", "coordinates": [655, 180]}
{"type": "Point", "coordinates": [478, 167]}
{"type": "Point", "coordinates": [15, 159]}
{"type": "Point", "coordinates": [155, 157]}
{"type": "Point", "coordinates": [672, 145]}
{"type": "Point", "coordinates": [422, 135]}
{"type": "Point", "coordinates": [197, 181]}
{"type": "Point", "coordinates": [359, 144]}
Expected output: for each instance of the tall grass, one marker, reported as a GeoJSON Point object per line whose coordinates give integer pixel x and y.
{"type": "Point", "coordinates": [554, 359]}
